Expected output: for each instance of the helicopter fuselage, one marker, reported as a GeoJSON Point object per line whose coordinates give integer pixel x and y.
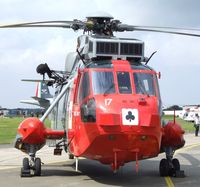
{"type": "Point", "coordinates": [115, 113]}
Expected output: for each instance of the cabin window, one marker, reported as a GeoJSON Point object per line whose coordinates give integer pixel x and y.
{"type": "Point", "coordinates": [103, 82]}
{"type": "Point", "coordinates": [84, 89]}
{"type": "Point", "coordinates": [58, 114]}
{"type": "Point", "coordinates": [144, 83]}
{"type": "Point", "coordinates": [124, 83]}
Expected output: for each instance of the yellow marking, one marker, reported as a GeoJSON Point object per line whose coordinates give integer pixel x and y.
{"type": "Point", "coordinates": [169, 182]}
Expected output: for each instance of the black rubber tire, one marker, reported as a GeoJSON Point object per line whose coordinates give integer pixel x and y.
{"type": "Point", "coordinates": [176, 164]}
{"type": "Point", "coordinates": [25, 163]}
{"type": "Point", "coordinates": [37, 171]}
{"type": "Point", "coordinates": [164, 168]}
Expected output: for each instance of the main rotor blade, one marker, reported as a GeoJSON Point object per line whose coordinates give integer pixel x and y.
{"type": "Point", "coordinates": [62, 24]}
{"type": "Point", "coordinates": [124, 27]}
{"type": "Point", "coordinates": [169, 32]}
{"type": "Point", "coordinates": [169, 28]}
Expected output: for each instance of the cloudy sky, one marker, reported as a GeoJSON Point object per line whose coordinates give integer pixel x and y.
{"type": "Point", "coordinates": [21, 50]}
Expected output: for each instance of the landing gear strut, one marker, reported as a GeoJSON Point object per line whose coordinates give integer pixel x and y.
{"type": "Point", "coordinates": [169, 166]}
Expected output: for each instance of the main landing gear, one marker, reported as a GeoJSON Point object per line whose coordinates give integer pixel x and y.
{"type": "Point", "coordinates": [33, 164]}
{"type": "Point", "coordinates": [169, 166]}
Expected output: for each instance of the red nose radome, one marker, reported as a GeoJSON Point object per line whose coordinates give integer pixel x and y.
{"type": "Point", "coordinates": [32, 131]}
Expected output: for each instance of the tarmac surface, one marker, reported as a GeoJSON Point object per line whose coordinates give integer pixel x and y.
{"type": "Point", "coordinates": [59, 171]}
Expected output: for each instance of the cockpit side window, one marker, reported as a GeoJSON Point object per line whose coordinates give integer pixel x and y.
{"type": "Point", "coordinates": [144, 84]}
{"type": "Point", "coordinates": [103, 82]}
{"type": "Point", "coordinates": [84, 89]}
{"type": "Point", "coordinates": [124, 83]}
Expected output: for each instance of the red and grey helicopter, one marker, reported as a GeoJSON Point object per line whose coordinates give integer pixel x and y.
{"type": "Point", "coordinates": [107, 105]}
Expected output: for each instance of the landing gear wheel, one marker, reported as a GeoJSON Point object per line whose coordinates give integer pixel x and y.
{"type": "Point", "coordinates": [26, 165]}
{"type": "Point", "coordinates": [164, 168]}
{"type": "Point", "coordinates": [25, 170]}
{"type": "Point", "coordinates": [176, 164]}
{"type": "Point", "coordinates": [37, 171]}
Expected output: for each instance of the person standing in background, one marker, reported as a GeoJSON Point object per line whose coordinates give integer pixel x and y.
{"type": "Point", "coordinates": [196, 124]}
